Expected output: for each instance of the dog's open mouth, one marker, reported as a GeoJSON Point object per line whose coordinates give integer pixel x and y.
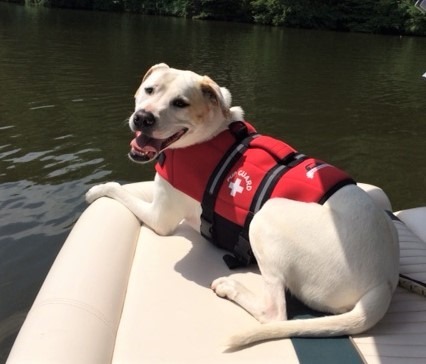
{"type": "Point", "coordinates": [144, 148]}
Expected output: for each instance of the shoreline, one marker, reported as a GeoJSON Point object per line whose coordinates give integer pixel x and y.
{"type": "Point", "coordinates": [391, 18]}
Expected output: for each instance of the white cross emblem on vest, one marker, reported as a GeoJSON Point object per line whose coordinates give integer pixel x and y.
{"type": "Point", "coordinates": [235, 187]}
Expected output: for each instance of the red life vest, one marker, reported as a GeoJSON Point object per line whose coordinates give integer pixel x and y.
{"type": "Point", "coordinates": [233, 174]}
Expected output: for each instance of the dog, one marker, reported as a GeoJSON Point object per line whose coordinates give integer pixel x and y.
{"type": "Point", "coordinates": [340, 257]}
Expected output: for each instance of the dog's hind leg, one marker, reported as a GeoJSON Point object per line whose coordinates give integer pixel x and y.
{"type": "Point", "coordinates": [269, 307]}
{"type": "Point", "coordinates": [267, 245]}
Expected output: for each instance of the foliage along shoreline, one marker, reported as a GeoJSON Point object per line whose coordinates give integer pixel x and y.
{"type": "Point", "coordinates": [399, 17]}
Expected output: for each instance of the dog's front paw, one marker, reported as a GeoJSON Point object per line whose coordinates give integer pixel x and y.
{"type": "Point", "coordinates": [106, 189]}
{"type": "Point", "coordinates": [226, 287]}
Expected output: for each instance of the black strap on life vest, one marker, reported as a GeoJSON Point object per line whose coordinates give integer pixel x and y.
{"type": "Point", "coordinates": [233, 154]}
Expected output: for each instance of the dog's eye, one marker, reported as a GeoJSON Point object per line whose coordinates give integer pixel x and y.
{"type": "Point", "coordinates": [180, 103]}
{"type": "Point", "coordinates": [149, 90]}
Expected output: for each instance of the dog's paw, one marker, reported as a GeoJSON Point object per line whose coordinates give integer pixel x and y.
{"type": "Point", "coordinates": [106, 189]}
{"type": "Point", "coordinates": [226, 287]}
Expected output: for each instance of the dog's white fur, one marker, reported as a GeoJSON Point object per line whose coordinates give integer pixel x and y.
{"type": "Point", "coordinates": [340, 257]}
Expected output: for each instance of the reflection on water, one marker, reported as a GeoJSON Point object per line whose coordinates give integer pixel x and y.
{"type": "Point", "coordinates": [66, 85]}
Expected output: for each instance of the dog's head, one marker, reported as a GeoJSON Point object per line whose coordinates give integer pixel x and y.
{"type": "Point", "coordinates": [176, 109]}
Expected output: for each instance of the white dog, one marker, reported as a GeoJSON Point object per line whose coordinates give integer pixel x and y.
{"type": "Point", "coordinates": [340, 257]}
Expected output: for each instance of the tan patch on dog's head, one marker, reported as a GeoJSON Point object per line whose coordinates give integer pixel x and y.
{"type": "Point", "coordinates": [212, 92]}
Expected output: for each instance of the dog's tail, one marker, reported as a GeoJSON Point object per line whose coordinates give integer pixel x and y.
{"type": "Point", "coordinates": [365, 314]}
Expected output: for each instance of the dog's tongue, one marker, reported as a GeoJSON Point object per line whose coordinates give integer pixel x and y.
{"type": "Point", "coordinates": [144, 147]}
{"type": "Point", "coordinates": [145, 144]}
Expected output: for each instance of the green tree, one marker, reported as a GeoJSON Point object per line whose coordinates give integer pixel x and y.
{"type": "Point", "coordinates": [269, 11]}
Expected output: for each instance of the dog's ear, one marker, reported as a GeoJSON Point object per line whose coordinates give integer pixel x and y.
{"type": "Point", "coordinates": [154, 68]}
{"type": "Point", "coordinates": [213, 93]}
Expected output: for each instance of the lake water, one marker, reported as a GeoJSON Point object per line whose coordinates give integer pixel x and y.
{"type": "Point", "coordinates": [67, 80]}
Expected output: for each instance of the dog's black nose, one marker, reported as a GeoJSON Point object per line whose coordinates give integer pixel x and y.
{"type": "Point", "coordinates": [143, 119]}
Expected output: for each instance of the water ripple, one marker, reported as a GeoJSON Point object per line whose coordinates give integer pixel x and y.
{"type": "Point", "coordinates": [42, 107]}
{"type": "Point", "coordinates": [38, 209]}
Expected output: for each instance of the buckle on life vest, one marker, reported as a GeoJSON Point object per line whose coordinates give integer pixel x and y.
{"type": "Point", "coordinates": [243, 255]}
{"type": "Point", "coordinates": [239, 130]}
{"type": "Point", "coordinates": [206, 228]}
